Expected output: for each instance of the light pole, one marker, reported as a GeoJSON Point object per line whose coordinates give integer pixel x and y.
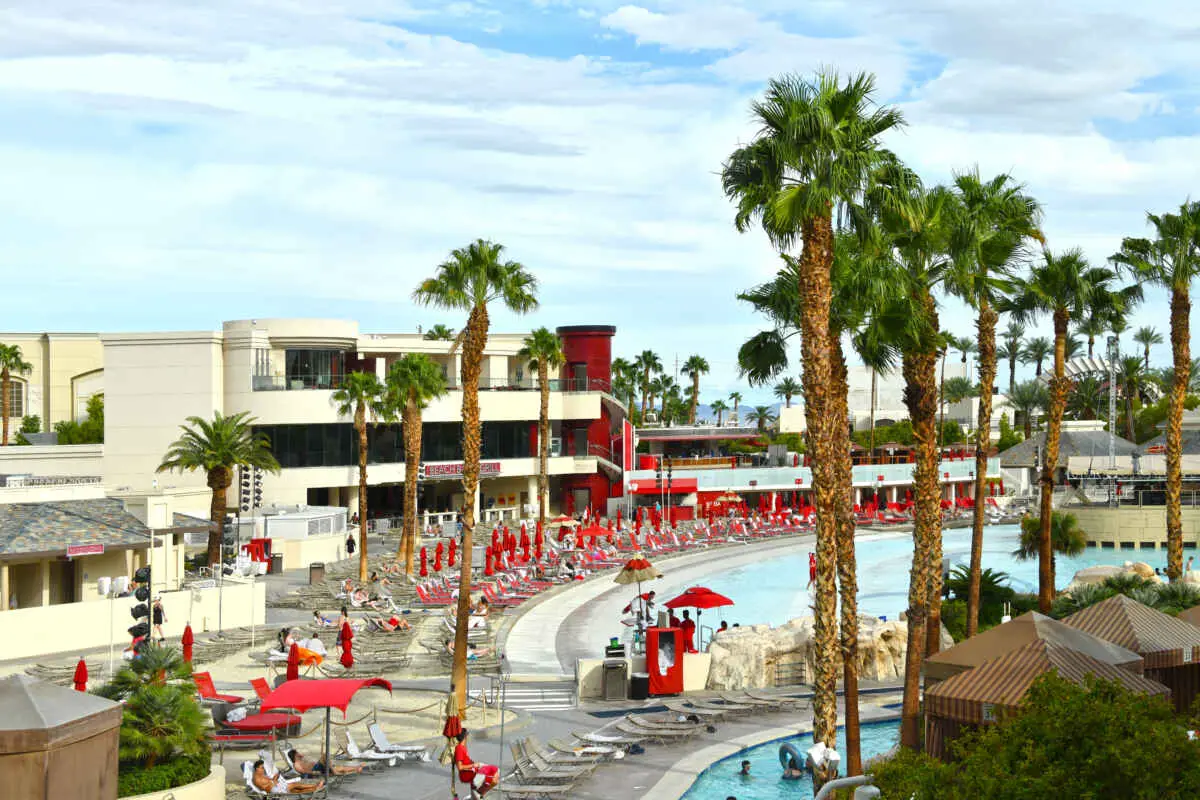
{"type": "Point", "coordinates": [1114, 354]}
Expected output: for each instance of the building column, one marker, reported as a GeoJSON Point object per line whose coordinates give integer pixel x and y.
{"type": "Point", "coordinates": [532, 489]}
{"type": "Point", "coordinates": [475, 501]}
{"type": "Point", "coordinates": [858, 496]}
{"type": "Point", "coordinates": [45, 570]}
{"type": "Point", "coordinates": [4, 590]}
{"type": "Point", "coordinates": [129, 563]}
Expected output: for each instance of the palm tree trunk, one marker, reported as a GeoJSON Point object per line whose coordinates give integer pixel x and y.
{"type": "Point", "coordinates": [5, 407]}
{"type": "Point", "coordinates": [920, 372]}
{"type": "Point", "coordinates": [219, 479]}
{"type": "Point", "coordinates": [544, 440]}
{"type": "Point", "coordinates": [873, 379]}
{"type": "Point", "coordinates": [816, 292]}
{"type": "Point", "coordinates": [983, 440]}
{"type": "Point", "coordinates": [360, 425]}
{"type": "Point", "coordinates": [695, 398]}
{"type": "Point", "coordinates": [1146, 356]}
{"type": "Point", "coordinates": [1091, 344]}
{"type": "Point", "coordinates": [941, 423]}
{"type": "Point", "coordinates": [1129, 416]}
{"type": "Point", "coordinates": [1012, 373]}
{"type": "Point", "coordinates": [846, 565]}
{"type": "Point", "coordinates": [472, 360]}
{"type": "Point", "coordinates": [645, 383]}
{"type": "Point", "coordinates": [1181, 310]}
{"type": "Point", "coordinates": [411, 423]}
{"type": "Point", "coordinates": [1059, 386]}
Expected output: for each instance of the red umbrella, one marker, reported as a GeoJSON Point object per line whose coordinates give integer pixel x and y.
{"type": "Point", "coordinates": [488, 569]}
{"type": "Point", "coordinates": [537, 548]}
{"type": "Point", "coordinates": [293, 662]}
{"type": "Point", "coordinates": [453, 550]}
{"type": "Point", "coordinates": [539, 529]}
{"type": "Point", "coordinates": [81, 675]}
{"type": "Point", "coordinates": [453, 727]}
{"type": "Point", "coordinates": [699, 597]}
{"type": "Point", "coordinates": [579, 538]}
{"type": "Point", "coordinates": [347, 658]}
{"type": "Point", "coordinates": [424, 568]}
{"type": "Point", "coordinates": [188, 640]}
{"type": "Point", "coordinates": [525, 544]}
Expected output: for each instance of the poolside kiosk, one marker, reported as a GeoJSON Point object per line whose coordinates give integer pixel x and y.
{"type": "Point", "coordinates": [57, 743]}
{"type": "Point", "coordinates": [1169, 646]}
{"type": "Point", "coordinates": [981, 696]}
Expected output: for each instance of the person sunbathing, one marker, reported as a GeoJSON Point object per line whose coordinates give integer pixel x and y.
{"type": "Point", "coordinates": [277, 784]}
{"type": "Point", "coordinates": [322, 621]}
{"type": "Point", "coordinates": [393, 623]}
{"type": "Point", "coordinates": [309, 768]}
{"type": "Point", "coordinates": [473, 651]}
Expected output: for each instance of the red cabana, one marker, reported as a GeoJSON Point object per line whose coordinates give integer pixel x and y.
{"type": "Point", "coordinates": [81, 675]}
{"type": "Point", "coordinates": [187, 641]}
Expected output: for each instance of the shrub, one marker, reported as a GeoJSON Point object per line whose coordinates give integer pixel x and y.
{"type": "Point", "coordinates": [135, 779]}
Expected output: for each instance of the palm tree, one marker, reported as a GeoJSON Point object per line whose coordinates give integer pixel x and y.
{"type": "Point", "coordinates": [694, 367]}
{"type": "Point", "coordinates": [359, 395]}
{"type": "Point", "coordinates": [956, 390]}
{"type": "Point", "coordinates": [966, 348]}
{"type": "Point", "coordinates": [12, 362]}
{"type": "Point", "coordinates": [624, 381]}
{"type": "Point", "coordinates": [1066, 538]}
{"type": "Point", "coordinates": [1147, 337]}
{"type": "Point", "coordinates": [1086, 400]}
{"type": "Point", "coordinates": [719, 408]}
{"type": "Point", "coordinates": [1136, 386]}
{"type": "Point", "coordinates": [1012, 350]}
{"type": "Point", "coordinates": [470, 279]}
{"type": "Point", "coordinates": [647, 363]}
{"type": "Point", "coordinates": [1063, 286]}
{"type": "Point", "coordinates": [787, 389]}
{"type": "Point", "coordinates": [736, 399]}
{"type": "Point", "coordinates": [543, 350]}
{"type": "Point", "coordinates": [1027, 399]}
{"type": "Point", "coordinates": [440, 332]}
{"type": "Point", "coordinates": [761, 416]}
{"type": "Point", "coordinates": [946, 340]}
{"type": "Point", "coordinates": [1090, 327]}
{"type": "Point", "coordinates": [1037, 350]}
{"type": "Point", "coordinates": [217, 446]}
{"type": "Point", "coordinates": [657, 390]}
{"type": "Point", "coordinates": [817, 145]}
{"type": "Point", "coordinates": [411, 383]}
{"type": "Point", "coordinates": [1172, 260]}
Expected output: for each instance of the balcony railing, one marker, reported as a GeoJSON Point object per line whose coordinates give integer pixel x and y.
{"type": "Point", "coordinates": [25, 481]}
{"type": "Point", "coordinates": [279, 383]}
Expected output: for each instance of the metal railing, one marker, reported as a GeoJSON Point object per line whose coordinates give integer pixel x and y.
{"type": "Point", "coordinates": [281, 383]}
{"type": "Point", "coordinates": [791, 673]}
{"type": "Point", "coordinates": [19, 481]}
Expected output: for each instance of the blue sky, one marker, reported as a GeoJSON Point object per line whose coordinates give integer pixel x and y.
{"type": "Point", "coordinates": [169, 165]}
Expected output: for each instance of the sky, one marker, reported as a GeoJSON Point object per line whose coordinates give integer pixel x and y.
{"type": "Point", "coordinates": [167, 165]}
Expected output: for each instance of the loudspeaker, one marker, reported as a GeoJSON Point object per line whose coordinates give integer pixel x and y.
{"type": "Point", "coordinates": [142, 593]}
{"type": "Point", "coordinates": [142, 575]}
{"type": "Point", "coordinates": [139, 611]}
{"type": "Point", "coordinates": [141, 629]}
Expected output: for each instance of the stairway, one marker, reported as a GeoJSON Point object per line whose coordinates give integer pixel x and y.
{"type": "Point", "coordinates": [540, 696]}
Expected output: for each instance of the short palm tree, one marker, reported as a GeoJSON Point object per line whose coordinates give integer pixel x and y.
{"type": "Point", "coordinates": [694, 367]}
{"type": "Point", "coordinates": [440, 333]}
{"type": "Point", "coordinates": [216, 446]}
{"type": "Point", "coordinates": [762, 417]}
{"type": "Point", "coordinates": [1087, 398]}
{"type": "Point", "coordinates": [1147, 337]}
{"type": "Point", "coordinates": [955, 390]}
{"type": "Point", "coordinates": [1137, 387]}
{"type": "Point", "coordinates": [1172, 260]}
{"type": "Point", "coordinates": [648, 364]}
{"type": "Point", "coordinates": [543, 351]}
{"type": "Point", "coordinates": [411, 384]}
{"type": "Point", "coordinates": [719, 407]}
{"type": "Point", "coordinates": [1028, 399]}
{"type": "Point", "coordinates": [470, 279]}
{"type": "Point", "coordinates": [736, 399]}
{"type": "Point", "coordinates": [1090, 327]}
{"type": "Point", "coordinates": [787, 389]}
{"type": "Point", "coordinates": [12, 362]}
{"type": "Point", "coordinates": [1066, 538]}
{"type": "Point", "coordinates": [1012, 350]}
{"type": "Point", "coordinates": [1037, 350]}
{"type": "Point", "coordinates": [360, 396]}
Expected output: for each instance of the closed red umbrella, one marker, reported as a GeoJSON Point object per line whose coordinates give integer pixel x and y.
{"type": "Point", "coordinates": [495, 540]}
{"type": "Point", "coordinates": [618, 518]}
{"type": "Point", "coordinates": [525, 543]}
{"type": "Point", "coordinates": [424, 567]}
{"type": "Point", "coordinates": [579, 538]}
{"type": "Point", "coordinates": [452, 551]}
{"type": "Point", "coordinates": [81, 675]}
{"type": "Point", "coordinates": [439, 551]}
{"type": "Point", "coordinates": [488, 568]}
{"type": "Point", "coordinates": [188, 640]}
{"type": "Point", "coordinates": [437, 562]}
{"type": "Point", "coordinates": [345, 639]}
{"type": "Point", "coordinates": [537, 548]}
{"type": "Point", "coordinates": [293, 662]}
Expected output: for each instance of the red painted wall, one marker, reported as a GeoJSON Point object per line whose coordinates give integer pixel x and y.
{"type": "Point", "coordinates": [591, 345]}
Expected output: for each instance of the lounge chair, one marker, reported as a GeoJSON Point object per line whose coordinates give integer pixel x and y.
{"type": "Point", "coordinates": [524, 791]}
{"type": "Point", "coordinates": [405, 752]}
{"type": "Point", "coordinates": [208, 692]}
{"type": "Point", "coordinates": [584, 750]}
{"type": "Point", "coordinates": [727, 708]}
{"type": "Point", "coordinates": [570, 757]}
{"type": "Point", "coordinates": [663, 734]}
{"type": "Point", "coordinates": [530, 773]}
{"type": "Point", "coordinates": [580, 766]}
{"type": "Point", "coordinates": [687, 709]}
{"type": "Point", "coordinates": [254, 791]}
{"type": "Point", "coordinates": [621, 739]}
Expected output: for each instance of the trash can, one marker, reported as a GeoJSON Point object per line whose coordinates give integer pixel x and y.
{"type": "Point", "coordinates": [316, 572]}
{"type": "Point", "coordinates": [616, 675]}
{"type": "Point", "coordinates": [276, 563]}
{"type": "Point", "coordinates": [639, 686]}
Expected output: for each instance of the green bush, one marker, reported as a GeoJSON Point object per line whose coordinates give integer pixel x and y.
{"type": "Point", "coordinates": [1008, 436]}
{"type": "Point", "coordinates": [133, 779]}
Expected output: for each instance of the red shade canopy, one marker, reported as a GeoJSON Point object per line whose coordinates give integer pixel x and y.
{"type": "Point", "coordinates": [699, 597]}
{"type": "Point", "coordinates": [328, 693]}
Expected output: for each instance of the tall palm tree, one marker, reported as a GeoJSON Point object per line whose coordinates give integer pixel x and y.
{"type": "Point", "coordinates": [1012, 350]}
{"type": "Point", "coordinates": [787, 389]}
{"type": "Point", "coordinates": [1147, 337]}
{"type": "Point", "coordinates": [816, 147]}
{"type": "Point", "coordinates": [440, 332]}
{"type": "Point", "coordinates": [12, 362]}
{"type": "Point", "coordinates": [1090, 327]}
{"type": "Point", "coordinates": [657, 389]}
{"type": "Point", "coordinates": [719, 408]}
{"type": "Point", "coordinates": [736, 399]}
{"type": "Point", "coordinates": [1086, 400]}
{"type": "Point", "coordinates": [470, 279]}
{"type": "Point", "coordinates": [543, 350]}
{"type": "Point", "coordinates": [411, 383]}
{"type": "Point", "coordinates": [1137, 387]}
{"type": "Point", "coordinates": [966, 348]}
{"type": "Point", "coordinates": [1172, 260]}
{"type": "Point", "coordinates": [1064, 286]}
{"type": "Point", "coordinates": [217, 446]}
{"type": "Point", "coordinates": [946, 341]}
{"type": "Point", "coordinates": [360, 395]}
{"type": "Point", "coordinates": [1037, 350]}
{"type": "Point", "coordinates": [648, 363]}
{"type": "Point", "coordinates": [996, 221]}
{"type": "Point", "coordinates": [694, 367]}
{"type": "Point", "coordinates": [1027, 399]}
{"type": "Point", "coordinates": [624, 381]}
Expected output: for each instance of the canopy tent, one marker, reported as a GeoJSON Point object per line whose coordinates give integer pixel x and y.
{"type": "Point", "coordinates": [1018, 632]}
{"type": "Point", "coordinates": [974, 697]}
{"type": "Point", "coordinates": [1170, 647]}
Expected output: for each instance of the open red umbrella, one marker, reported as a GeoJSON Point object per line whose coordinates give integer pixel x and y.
{"type": "Point", "coordinates": [424, 567]}
{"type": "Point", "coordinates": [293, 662]}
{"type": "Point", "coordinates": [636, 570]}
{"type": "Point", "coordinates": [81, 675]}
{"type": "Point", "coordinates": [699, 597]}
{"type": "Point", "coordinates": [188, 640]}
{"type": "Point", "coordinates": [452, 552]}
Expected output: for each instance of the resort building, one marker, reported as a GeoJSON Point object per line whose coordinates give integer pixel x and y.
{"type": "Point", "coordinates": [68, 368]}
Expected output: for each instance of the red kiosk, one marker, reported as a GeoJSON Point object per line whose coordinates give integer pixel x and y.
{"type": "Point", "coordinates": [664, 660]}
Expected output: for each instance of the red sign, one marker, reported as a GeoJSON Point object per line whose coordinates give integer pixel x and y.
{"type": "Point", "coordinates": [487, 469]}
{"type": "Point", "coordinates": [799, 481]}
{"type": "Point", "coordinates": [881, 477]}
{"type": "Point", "coordinates": [77, 550]}
{"type": "Point", "coordinates": [946, 474]}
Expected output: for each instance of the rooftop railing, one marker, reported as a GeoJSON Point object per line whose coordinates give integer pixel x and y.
{"type": "Point", "coordinates": [276, 383]}
{"type": "Point", "coordinates": [20, 481]}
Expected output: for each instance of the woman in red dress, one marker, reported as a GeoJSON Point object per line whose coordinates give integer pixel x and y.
{"type": "Point", "coordinates": [480, 777]}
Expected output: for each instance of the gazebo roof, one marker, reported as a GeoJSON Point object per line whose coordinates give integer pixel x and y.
{"type": "Point", "coordinates": [1162, 640]}
{"type": "Point", "coordinates": [1030, 627]}
{"type": "Point", "coordinates": [35, 714]}
{"type": "Point", "coordinates": [1191, 615]}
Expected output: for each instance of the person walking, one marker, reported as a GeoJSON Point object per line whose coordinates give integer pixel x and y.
{"type": "Point", "coordinates": [350, 544]}
{"type": "Point", "coordinates": [159, 617]}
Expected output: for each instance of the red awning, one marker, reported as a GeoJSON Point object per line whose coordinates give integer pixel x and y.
{"type": "Point", "coordinates": [328, 693]}
{"type": "Point", "coordinates": [650, 486]}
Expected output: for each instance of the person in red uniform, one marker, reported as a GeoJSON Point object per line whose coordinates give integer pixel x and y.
{"type": "Point", "coordinates": [480, 777]}
{"type": "Point", "coordinates": [812, 568]}
{"type": "Point", "coordinates": [688, 625]}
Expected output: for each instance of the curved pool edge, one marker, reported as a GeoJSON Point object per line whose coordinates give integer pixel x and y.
{"type": "Point", "coordinates": [684, 773]}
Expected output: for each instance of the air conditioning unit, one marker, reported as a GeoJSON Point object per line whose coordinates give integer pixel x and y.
{"type": "Point", "coordinates": [556, 448]}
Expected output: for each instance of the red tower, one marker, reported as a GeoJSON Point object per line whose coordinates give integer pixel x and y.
{"type": "Point", "coordinates": [588, 368]}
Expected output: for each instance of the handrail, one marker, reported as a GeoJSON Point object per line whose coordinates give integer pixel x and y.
{"type": "Point", "coordinates": [845, 783]}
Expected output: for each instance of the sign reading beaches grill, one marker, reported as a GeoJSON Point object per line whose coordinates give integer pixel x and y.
{"type": "Point", "coordinates": [453, 470]}
{"type": "Point", "coordinates": [77, 550]}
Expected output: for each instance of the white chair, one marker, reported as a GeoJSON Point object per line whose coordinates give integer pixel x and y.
{"type": "Point", "coordinates": [405, 752]}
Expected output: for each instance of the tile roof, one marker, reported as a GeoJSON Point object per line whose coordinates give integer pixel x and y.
{"type": "Point", "coordinates": [190, 522]}
{"type": "Point", "coordinates": [51, 527]}
{"type": "Point", "coordinates": [1190, 441]}
{"type": "Point", "coordinates": [1071, 444]}
{"type": "Point", "coordinates": [1162, 640]}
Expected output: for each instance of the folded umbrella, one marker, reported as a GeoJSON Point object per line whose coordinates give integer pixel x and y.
{"type": "Point", "coordinates": [187, 641]}
{"type": "Point", "coordinates": [293, 662]}
{"type": "Point", "coordinates": [81, 675]}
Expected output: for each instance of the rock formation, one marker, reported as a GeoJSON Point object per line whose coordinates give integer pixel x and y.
{"type": "Point", "coordinates": [749, 657]}
{"type": "Point", "coordinates": [1099, 574]}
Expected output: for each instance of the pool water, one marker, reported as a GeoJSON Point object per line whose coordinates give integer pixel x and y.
{"type": "Point", "coordinates": [722, 780]}
{"type": "Point", "coordinates": [774, 591]}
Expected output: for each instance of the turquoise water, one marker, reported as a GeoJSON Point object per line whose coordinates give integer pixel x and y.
{"type": "Point", "coordinates": [722, 780]}
{"type": "Point", "coordinates": [774, 591]}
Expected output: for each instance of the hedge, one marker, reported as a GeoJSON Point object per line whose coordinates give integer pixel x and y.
{"type": "Point", "coordinates": [133, 779]}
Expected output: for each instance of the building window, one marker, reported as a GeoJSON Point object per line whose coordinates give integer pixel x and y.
{"type": "Point", "coordinates": [336, 445]}
{"type": "Point", "coordinates": [262, 362]}
{"type": "Point", "coordinates": [315, 369]}
{"type": "Point", "coordinates": [16, 399]}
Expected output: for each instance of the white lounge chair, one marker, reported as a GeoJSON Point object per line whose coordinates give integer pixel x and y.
{"type": "Point", "coordinates": [405, 752]}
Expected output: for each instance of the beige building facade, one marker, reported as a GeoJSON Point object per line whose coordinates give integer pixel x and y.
{"type": "Point", "coordinates": [68, 369]}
